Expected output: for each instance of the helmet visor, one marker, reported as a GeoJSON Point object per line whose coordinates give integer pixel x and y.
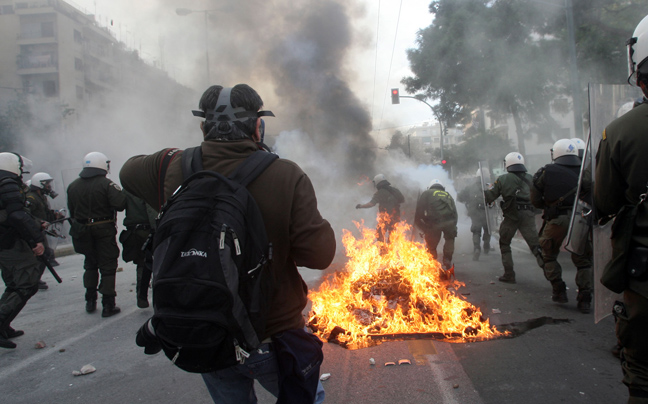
{"type": "Point", "coordinates": [632, 72]}
{"type": "Point", "coordinates": [25, 165]}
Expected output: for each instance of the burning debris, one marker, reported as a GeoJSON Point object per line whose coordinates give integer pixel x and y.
{"type": "Point", "coordinates": [393, 291]}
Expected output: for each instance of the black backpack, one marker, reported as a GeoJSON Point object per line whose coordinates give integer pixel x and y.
{"type": "Point", "coordinates": [211, 280]}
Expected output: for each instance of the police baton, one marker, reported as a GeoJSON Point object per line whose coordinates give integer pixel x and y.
{"type": "Point", "coordinates": [51, 269]}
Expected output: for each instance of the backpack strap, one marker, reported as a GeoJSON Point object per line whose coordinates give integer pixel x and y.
{"type": "Point", "coordinates": [191, 161]}
{"type": "Point", "coordinates": [169, 155]}
{"type": "Point", "coordinates": [252, 167]}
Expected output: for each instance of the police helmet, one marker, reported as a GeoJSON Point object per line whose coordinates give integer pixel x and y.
{"type": "Point", "coordinates": [15, 163]}
{"type": "Point", "coordinates": [435, 183]}
{"type": "Point", "coordinates": [565, 152]}
{"type": "Point", "coordinates": [41, 180]}
{"type": "Point", "coordinates": [514, 162]}
{"type": "Point", "coordinates": [638, 50]}
{"type": "Point", "coordinates": [96, 160]}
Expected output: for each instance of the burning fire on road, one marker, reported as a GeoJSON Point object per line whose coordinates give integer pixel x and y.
{"type": "Point", "coordinates": [393, 290]}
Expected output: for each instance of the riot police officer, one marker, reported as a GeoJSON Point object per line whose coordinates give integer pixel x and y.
{"type": "Point", "coordinates": [21, 241]}
{"type": "Point", "coordinates": [93, 201]}
{"type": "Point", "coordinates": [139, 222]}
{"type": "Point", "coordinates": [40, 187]}
{"type": "Point", "coordinates": [621, 179]}
{"type": "Point", "coordinates": [554, 191]}
{"type": "Point", "coordinates": [436, 215]}
{"type": "Point", "coordinates": [518, 212]}
{"type": "Point", "coordinates": [473, 197]}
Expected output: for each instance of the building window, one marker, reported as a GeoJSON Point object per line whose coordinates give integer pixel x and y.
{"type": "Point", "coordinates": [7, 10]}
{"type": "Point", "coordinates": [47, 29]}
{"type": "Point", "coordinates": [21, 5]}
{"type": "Point", "coordinates": [78, 64]}
{"type": "Point", "coordinates": [49, 88]}
{"type": "Point", "coordinates": [79, 91]}
{"type": "Point", "coordinates": [77, 37]}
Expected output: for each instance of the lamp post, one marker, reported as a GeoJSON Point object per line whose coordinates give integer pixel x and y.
{"type": "Point", "coordinates": [421, 98]}
{"type": "Point", "coordinates": [184, 12]}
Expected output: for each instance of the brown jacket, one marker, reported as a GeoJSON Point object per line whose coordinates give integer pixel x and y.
{"type": "Point", "coordinates": [286, 198]}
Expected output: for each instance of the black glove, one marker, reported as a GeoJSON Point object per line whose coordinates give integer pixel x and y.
{"type": "Point", "coordinates": [147, 339]}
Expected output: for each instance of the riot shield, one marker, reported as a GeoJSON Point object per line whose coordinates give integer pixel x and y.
{"type": "Point", "coordinates": [580, 224]}
{"type": "Point", "coordinates": [605, 104]}
{"type": "Point", "coordinates": [491, 213]}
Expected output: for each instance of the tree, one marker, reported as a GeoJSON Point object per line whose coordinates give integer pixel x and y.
{"type": "Point", "coordinates": [13, 122]}
{"type": "Point", "coordinates": [511, 56]}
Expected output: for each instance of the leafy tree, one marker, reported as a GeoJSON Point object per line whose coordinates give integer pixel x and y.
{"type": "Point", "coordinates": [13, 122]}
{"type": "Point", "coordinates": [512, 56]}
{"type": "Point", "coordinates": [398, 141]}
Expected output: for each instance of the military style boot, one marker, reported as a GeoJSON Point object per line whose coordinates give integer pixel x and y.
{"type": "Point", "coordinates": [141, 289]}
{"type": "Point", "coordinates": [91, 300]}
{"type": "Point", "coordinates": [508, 277]}
{"type": "Point", "coordinates": [486, 248]}
{"type": "Point", "coordinates": [559, 292]}
{"type": "Point", "coordinates": [109, 307]}
{"type": "Point", "coordinates": [584, 299]}
{"type": "Point", "coordinates": [476, 253]}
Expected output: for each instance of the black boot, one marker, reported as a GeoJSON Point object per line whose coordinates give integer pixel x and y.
{"type": "Point", "coordinates": [559, 292]}
{"type": "Point", "coordinates": [91, 300]}
{"type": "Point", "coordinates": [584, 299]}
{"type": "Point", "coordinates": [9, 333]}
{"type": "Point", "coordinates": [508, 277]}
{"type": "Point", "coordinates": [109, 307]}
{"type": "Point", "coordinates": [5, 343]}
{"type": "Point", "coordinates": [143, 281]}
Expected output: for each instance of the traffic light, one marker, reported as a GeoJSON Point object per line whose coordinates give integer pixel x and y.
{"type": "Point", "coordinates": [395, 96]}
{"type": "Point", "coordinates": [444, 161]}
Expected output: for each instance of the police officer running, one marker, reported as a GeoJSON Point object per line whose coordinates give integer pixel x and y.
{"type": "Point", "coordinates": [518, 212]}
{"type": "Point", "coordinates": [436, 215]}
{"type": "Point", "coordinates": [554, 190]}
{"type": "Point", "coordinates": [473, 197]}
{"type": "Point", "coordinates": [621, 180]}
{"type": "Point", "coordinates": [21, 241]}
{"type": "Point", "coordinates": [388, 199]}
{"type": "Point", "coordinates": [94, 201]}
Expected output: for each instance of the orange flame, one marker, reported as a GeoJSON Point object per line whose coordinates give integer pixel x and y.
{"type": "Point", "coordinates": [394, 288]}
{"type": "Point", "coordinates": [363, 180]}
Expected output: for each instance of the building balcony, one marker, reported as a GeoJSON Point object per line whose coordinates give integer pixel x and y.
{"type": "Point", "coordinates": [41, 64]}
{"type": "Point", "coordinates": [35, 38]}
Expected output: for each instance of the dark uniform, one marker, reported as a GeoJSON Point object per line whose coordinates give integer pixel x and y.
{"type": "Point", "coordinates": [139, 221]}
{"type": "Point", "coordinates": [436, 214]}
{"type": "Point", "coordinates": [473, 197]}
{"type": "Point", "coordinates": [93, 201]}
{"type": "Point", "coordinates": [388, 200]}
{"type": "Point", "coordinates": [39, 207]}
{"type": "Point", "coordinates": [518, 215]}
{"type": "Point", "coordinates": [621, 177]}
{"type": "Point", "coordinates": [554, 190]}
{"type": "Point", "coordinates": [21, 270]}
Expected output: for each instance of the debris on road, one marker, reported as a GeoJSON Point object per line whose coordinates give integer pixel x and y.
{"type": "Point", "coordinates": [390, 363]}
{"type": "Point", "coordinates": [497, 311]}
{"type": "Point", "coordinates": [325, 376]}
{"type": "Point", "coordinates": [85, 370]}
{"type": "Point", "coordinates": [40, 345]}
{"type": "Point", "coordinates": [372, 361]}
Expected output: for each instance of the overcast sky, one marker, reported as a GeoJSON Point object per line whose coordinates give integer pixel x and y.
{"type": "Point", "coordinates": [176, 43]}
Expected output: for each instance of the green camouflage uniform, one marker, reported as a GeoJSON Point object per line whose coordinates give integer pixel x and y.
{"type": "Point", "coordinates": [518, 215]}
{"type": "Point", "coordinates": [621, 177]}
{"type": "Point", "coordinates": [436, 214]}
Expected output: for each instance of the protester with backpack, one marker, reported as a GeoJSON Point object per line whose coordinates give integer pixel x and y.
{"type": "Point", "coordinates": [436, 215]}
{"type": "Point", "coordinates": [286, 362]}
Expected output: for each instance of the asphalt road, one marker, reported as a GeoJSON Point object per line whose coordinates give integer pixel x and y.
{"type": "Point", "coordinates": [559, 363]}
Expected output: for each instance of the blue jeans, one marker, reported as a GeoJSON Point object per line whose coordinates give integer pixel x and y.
{"type": "Point", "coordinates": [235, 385]}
